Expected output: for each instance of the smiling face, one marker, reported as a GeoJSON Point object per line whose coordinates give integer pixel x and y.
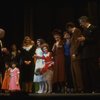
{"type": "Point", "coordinates": [57, 37]}
{"type": "Point", "coordinates": [45, 49]}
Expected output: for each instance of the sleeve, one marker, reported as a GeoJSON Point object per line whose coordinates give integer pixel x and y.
{"type": "Point", "coordinates": [91, 35]}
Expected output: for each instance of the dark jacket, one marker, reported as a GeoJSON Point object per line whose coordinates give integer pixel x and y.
{"type": "Point", "coordinates": [89, 48]}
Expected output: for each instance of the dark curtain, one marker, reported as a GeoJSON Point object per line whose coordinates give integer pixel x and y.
{"type": "Point", "coordinates": [39, 17]}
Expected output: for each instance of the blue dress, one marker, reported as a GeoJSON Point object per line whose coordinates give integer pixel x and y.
{"type": "Point", "coordinates": [39, 64]}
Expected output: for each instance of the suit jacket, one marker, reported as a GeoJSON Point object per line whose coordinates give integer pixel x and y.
{"type": "Point", "coordinates": [74, 43]}
{"type": "Point", "coordinates": [89, 49]}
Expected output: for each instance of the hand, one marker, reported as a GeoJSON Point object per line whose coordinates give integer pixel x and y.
{"type": "Point", "coordinates": [17, 83]}
{"type": "Point", "coordinates": [19, 51]}
{"type": "Point", "coordinates": [73, 56]}
{"type": "Point", "coordinates": [4, 50]}
{"type": "Point", "coordinates": [27, 62]}
{"type": "Point", "coordinates": [81, 39]}
{"type": "Point", "coordinates": [51, 64]}
{"type": "Point", "coordinates": [34, 56]}
{"type": "Point", "coordinates": [37, 57]}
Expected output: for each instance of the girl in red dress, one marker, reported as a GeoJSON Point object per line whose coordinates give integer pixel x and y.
{"type": "Point", "coordinates": [5, 84]}
{"type": "Point", "coordinates": [47, 70]}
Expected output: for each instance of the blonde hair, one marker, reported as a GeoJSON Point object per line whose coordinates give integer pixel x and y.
{"type": "Point", "coordinates": [29, 39]}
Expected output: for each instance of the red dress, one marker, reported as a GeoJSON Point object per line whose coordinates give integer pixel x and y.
{"type": "Point", "coordinates": [59, 63]}
{"type": "Point", "coordinates": [5, 84]}
{"type": "Point", "coordinates": [48, 62]}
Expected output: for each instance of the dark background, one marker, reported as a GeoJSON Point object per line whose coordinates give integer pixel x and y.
{"type": "Point", "coordinates": [40, 17]}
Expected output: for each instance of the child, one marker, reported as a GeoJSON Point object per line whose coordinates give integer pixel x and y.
{"type": "Point", "coordinates": [47, 70]}
{"type": "Point", "coordinates": [39, 64]}
{"type": "Point", "coordinates": [5, 84]}
{"type": "Point", "coordinates": [14, 78]}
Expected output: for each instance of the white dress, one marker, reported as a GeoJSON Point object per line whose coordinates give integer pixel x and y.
{"type": "Point", "coordinates": [39, 64]}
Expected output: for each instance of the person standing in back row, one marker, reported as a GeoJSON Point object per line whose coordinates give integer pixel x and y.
{"type": "Point", "coordinates": [75, 57]}
{"type": "Point", "coordinates": [59, 62]}
{"type": "Point", "coordinates": [89, 55]}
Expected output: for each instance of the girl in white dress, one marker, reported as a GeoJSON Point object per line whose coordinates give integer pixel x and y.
{"type": "Point", "coordinates": [39, 64]}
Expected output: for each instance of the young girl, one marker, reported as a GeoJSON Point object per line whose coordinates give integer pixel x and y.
{"type": "Point", "coordinates": [14, 78]}
{"type": "Point", "coordinates": [5, 84]}
{"type": "Point", "coordinates": [39, 64]}
{"type": "Point", "coordinates": [47, 70]}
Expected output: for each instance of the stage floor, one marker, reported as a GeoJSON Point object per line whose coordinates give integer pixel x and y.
{"type": "Point", "coordinates": [51, 95]}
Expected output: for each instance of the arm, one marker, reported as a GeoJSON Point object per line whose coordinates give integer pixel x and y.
{"type": "Point", "coordinates": [38, 57]}
{"type": "Point", "coordinates": [75, 43]}
{"type": "Point", "coordinates": [53, 48]}
{"type": "Point", "coordinates": [17, 77]}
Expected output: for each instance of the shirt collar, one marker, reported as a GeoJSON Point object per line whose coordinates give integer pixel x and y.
{"type": "Point", "coordinates": [73, 30]}
{"type": "Point", "coordinates": [88, 25]}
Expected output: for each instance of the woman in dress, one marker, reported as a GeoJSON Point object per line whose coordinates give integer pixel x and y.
{"type": "Point", "coordinates": [27, 67]}
{"type": "Point", "coordinates": [59, 62]}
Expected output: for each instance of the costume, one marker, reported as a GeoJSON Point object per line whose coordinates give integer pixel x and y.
{"type": "Point", "coordinates": [27, 69]}
{"type": "Point", "coordinates": [14, 74]}
{"type": "Point", "coordinates": [59, 63]}
{"type": "Point", "coordinates": [38, 65]}
{"type": "Point", "coordinates": [47, 70]}
{"type": "Point", "coordinates": [5, 84]}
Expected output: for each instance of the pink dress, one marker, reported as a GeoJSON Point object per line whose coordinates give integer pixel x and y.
{"type": "Point", "coordinates": [14, 79]}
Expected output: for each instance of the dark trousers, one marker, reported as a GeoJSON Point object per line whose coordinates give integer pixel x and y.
{"type": "Point", "coordinates": [77, 75]}
{"type": "Point", "coordinates": [68, 72]}
{"type": "Point", "coordinates": [90, 74]}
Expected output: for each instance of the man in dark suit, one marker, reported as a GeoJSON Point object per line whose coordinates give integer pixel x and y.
{"type": "Point", "coordinates": [75, 56]}
{"type": "Point", "coordinates": [89, 55]}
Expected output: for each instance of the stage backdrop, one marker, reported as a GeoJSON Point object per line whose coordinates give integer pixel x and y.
{"type": "Point", "coordinates": [40, 17]}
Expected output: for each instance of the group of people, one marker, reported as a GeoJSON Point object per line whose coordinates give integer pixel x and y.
{"type": "Point", "coordinates": [71, 65]}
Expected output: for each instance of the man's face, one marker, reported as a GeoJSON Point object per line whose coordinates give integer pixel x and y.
{"type": "Point", "coordinates": [66, 35]}
{"type": "Point", "coordinates": [70, 29]}
{"type": "Point", "coordinates": [82, 23]}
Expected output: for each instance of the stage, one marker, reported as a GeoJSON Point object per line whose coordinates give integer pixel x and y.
{"type": "Point", "coordinates": [52, 95]}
